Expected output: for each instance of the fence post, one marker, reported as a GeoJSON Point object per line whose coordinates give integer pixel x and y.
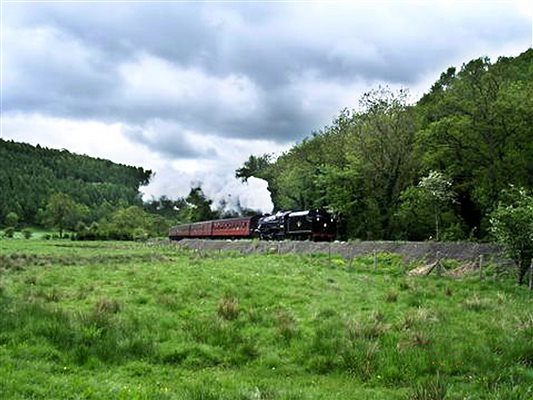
{"type": "Point", "coordinates": [531, 275]}
{"type": "Point", "coordinates": [481, 267]}
{"type": "Point", "coordinates": [375, 254]}
{"type": "Point", "coordinates": [439, 266]}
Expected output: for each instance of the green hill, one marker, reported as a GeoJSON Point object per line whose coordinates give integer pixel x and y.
{"type": "Point", "coordinates": [30, 174]}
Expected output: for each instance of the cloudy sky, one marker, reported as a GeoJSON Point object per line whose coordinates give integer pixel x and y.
{"type": "Point", "coordinates": [191, 89]}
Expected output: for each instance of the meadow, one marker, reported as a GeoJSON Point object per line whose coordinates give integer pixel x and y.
{"type": "Point", "coordinates": [123, 320]}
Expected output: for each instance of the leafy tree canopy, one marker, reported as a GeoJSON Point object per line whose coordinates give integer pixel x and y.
{"type": "Point", "coordinates": [472, 127]}
{"type": "Point", "coordinates": [62, 212]}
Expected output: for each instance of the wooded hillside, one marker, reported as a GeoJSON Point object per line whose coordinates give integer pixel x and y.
{"type": "Point", "coordinates": [29, 175]}
{"type": "Point", "coordinates": [393, 170]}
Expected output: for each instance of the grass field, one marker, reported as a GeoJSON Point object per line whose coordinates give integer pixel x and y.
{"type": "Point", "coordinates": [110, 320]}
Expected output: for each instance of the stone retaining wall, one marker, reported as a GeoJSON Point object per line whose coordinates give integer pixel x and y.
{"type": "Point", "coordinates": [410, 251]}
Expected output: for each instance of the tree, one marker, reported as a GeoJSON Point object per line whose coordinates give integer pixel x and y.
{"type": "Point", "coordinates": [165, 207]}
{"type": "Point", "coordinates": [63, 213]}
{"type": "Point", "coordinates": [11, 219]}
{"type": "Point", "coordinates": [422, 207]}
{"type": "Point", "coordinates": [438, 191]}
{"type": "Point", "coordinates": [198, 207]}
{"type": "Point", "coordinates": [254, 166]}
{"type": "Point", "coordinates": [381, 143]}
{"type": "Point", "coordinates": [476, 127]}
{"type": "Point", "coordinates": [131, 223]}
{"type": "Point", "coordinates": [512, 226]}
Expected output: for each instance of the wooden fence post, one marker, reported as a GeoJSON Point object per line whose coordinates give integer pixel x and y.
{"type": "Point", "coordinates": [531, 275]}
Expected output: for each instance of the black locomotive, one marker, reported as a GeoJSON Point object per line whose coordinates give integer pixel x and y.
{"type": "Point", "coordinates": [317, 225]}
{"type": "Point", "coordinates": [310, 224]}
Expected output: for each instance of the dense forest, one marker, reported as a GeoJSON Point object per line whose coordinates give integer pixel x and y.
{"type": "Point", "coordinates": [29, 175]}
{"type": "Point", "coordinates": [436, 169]}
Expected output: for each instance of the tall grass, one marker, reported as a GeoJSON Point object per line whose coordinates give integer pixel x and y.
{"type": "Point", "coordinates": [139, 322]}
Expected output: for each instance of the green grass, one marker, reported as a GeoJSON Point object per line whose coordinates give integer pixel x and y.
{"type": "Point", "coordinates": [119, 320]}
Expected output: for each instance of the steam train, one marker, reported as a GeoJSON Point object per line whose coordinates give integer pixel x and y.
{"type": "Point", "coordinates": [316, 225]}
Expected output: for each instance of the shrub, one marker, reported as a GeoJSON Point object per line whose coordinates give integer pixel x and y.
{"type": "Point", "coordinates": [26, 233]}
{"type": "Point", "coordinates": [11, 219]}
{"type": "Point", "coordinates": [9, 232]}
{"type": "Point", "coordinates": [139, 234]}
{"type": "Point", "coordinates": [512, 226]}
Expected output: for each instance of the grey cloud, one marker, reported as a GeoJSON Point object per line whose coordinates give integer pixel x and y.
{"type": "Point", "coordinates": [170, 139]}
{"type": "Point", "coordinates": [266, 48]}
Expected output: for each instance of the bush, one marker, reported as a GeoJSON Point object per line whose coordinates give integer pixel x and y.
{"type": "Point", "coordinates": [139, 234]}
{"type": "Point", "coordinates": [9, 232]}
{"type": "Point", "coordinates": [11, 219]}
{"type": "Point", "coordinates": [26, 233]}
{"type": "Point", "coordinates": [512, 226]}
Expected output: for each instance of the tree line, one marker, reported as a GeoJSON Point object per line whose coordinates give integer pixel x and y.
{"type": "Point", "coordinates": [436, 169]}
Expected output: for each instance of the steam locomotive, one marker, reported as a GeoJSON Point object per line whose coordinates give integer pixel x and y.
{"type": "Point", "coordinates": [316, 225]}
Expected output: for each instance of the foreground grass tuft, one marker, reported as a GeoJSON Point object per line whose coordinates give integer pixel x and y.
{"type": "Point", "coordinates": [431, 389]}
{"type": "Point", "coordinates": [228, 308]}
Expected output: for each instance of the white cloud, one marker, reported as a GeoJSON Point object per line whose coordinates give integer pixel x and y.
{"type": "Point", "coordinates": [156, 82]}
{"type": "Point", "coordinates": [97, 139]}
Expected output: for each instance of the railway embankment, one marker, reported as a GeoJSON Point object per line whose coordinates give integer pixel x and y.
{"type": "Point", "coordinates": [409, 251]}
